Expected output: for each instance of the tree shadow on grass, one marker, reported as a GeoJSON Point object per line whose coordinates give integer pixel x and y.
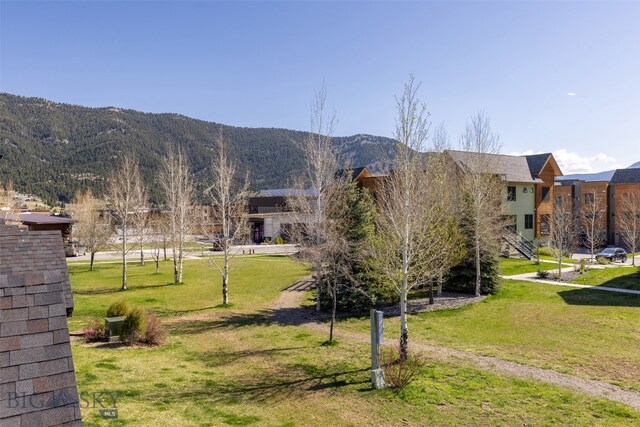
{"type": "Point", "coordinates": [628, 281]}
{"type": "Point", "coordinates": [283, 316]}
{"type": "Point", "coordinates": [289, 381]}
{"type": "Point", "coordinates": [594, 297]}
{"type": "Point", "coordinates": [218, 358]}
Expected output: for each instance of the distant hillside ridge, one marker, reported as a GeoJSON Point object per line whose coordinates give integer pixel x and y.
{"type": "Point", "coordinates": [597, 176]}
{"type": "Point", "coordinates": [53, 150]}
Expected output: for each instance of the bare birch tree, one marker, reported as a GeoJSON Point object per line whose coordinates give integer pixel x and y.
{"type": "Point", "coordinates": [310, 203]}
{"type": "Point", "coordinates": [481, 189]}
{"type": "Point", "coordinates": [447, 194]}
{"type": "Point", "coordinates": [141, 221]}
{"type": "Point", "coordinates": [412, 224]}
{"type": "Point", "coordinates": [593, 221]}
{"type": "Point", "coordinates": [7, 202]}
{"type": "Point", "coordinates": [629, 221]}
{"type": "Point", "coordinates": [92, 228]}
{"type": "Point", "coordinates": [125, 190]}
{"type": "Point", "coordinates": [156, 228]}
{"type": "Point", "coordinates": [176, 181]}
{"type": "Point", "coordinates": [333, 254]}
{"type": "Point", "coordinates": [563, 231]}
{"type": "Point", "coordinates": [228, 203]}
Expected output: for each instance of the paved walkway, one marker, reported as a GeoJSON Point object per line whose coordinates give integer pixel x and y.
{"type": "Point", "coordinates": [287, 310]}
{"type": "Point", "coordinates": [532, 277]}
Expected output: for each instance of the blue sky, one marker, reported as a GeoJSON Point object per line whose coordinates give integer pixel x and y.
{"type": "Point", "coordinates": [562, 77]}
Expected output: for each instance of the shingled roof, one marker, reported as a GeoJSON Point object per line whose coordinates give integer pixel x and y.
{"type": "Point", "coordinates": [536, 162]}
{"type": "Point", "coordinates": [512, 168]}
{"type": "Point", "coordinates": [626, 176]}
{"type": "Point", "coordinates": [35, 352]}
{"type": "Point", "coordinates": [352, 174]}
{"type": "Point", "coordinates": [287, 192]}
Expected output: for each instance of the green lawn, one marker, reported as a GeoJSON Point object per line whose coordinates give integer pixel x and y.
{"type": "Point", "coordinates": [511, 266]}
{"type": "Point", "coordinates": [620, 277]}
{"type": "Point", "coordinates": [254, 284]}
{"type": "Point", "coordinates": [234, 366]}
{"type": "Point", "coordinates": [579, 331]}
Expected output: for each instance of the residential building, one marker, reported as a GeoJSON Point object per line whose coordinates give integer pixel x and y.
{"type": "Point", "coordinates": [270, 214]}
{"type": "Point", "coordinates": [623, 183]}
{"type": "Point", "coordinates": [43, 222]}
{"type": "Point", "coordinates": [528, 189]}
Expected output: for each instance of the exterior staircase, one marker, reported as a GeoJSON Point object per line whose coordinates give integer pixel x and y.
{"type": "Point", "coordinates": [523, 246]}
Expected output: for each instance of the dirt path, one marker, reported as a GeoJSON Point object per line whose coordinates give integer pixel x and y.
{"type": "Point", "coordinates": [287, 310]}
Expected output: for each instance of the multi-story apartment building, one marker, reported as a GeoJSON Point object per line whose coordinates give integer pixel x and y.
{"type": "Point", "coordinates": [623, 184]}
{"type": "Point", "coordinates": [528, 189]}
{"type": "Point", "coordinates": [603, 196]}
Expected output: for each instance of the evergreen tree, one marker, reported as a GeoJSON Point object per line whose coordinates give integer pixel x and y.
{"type": "Point", "coordinates": [362, 287]}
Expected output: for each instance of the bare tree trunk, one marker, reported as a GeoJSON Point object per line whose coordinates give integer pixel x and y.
{"type": "Point", "coordinates": [440, 280]}
{"type": "Point", "coordinates": [141, 253]}
{"type": "Point", "coordinates": [124, 261]}
{"type": "Point", "coordinates": [404, 330]}
{"type": "Point", "coordinates": [175, 269]}
{"type": "Point", "coordinates": [478, 267]}
{"type": "Point", "coordinates": [318, 287]}
{"type": "Point", "coordinates": [164, 246]}
{"type": "Point", "coordinates": [180, 266]}
{"type": "Point", "coordinates": [431, 300]}
{"type": "Point", "coordinates": [225, 278]}
{"type": "Point", "coordinates": [559, 266]}
{"type": "Point", "coordinates": [92, 256]}
{"type": "Point", "coordinates": [334, 298]}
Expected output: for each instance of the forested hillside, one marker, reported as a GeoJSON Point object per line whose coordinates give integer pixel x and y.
{"type": "Point", "coordinates": [52, 150]}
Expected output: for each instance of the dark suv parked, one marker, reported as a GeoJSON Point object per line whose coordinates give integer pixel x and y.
{"type": "Point", "coordinates": [613, 254]}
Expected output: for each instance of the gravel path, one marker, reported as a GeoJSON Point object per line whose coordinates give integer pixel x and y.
{"type": "Point", "coordinates": [287, 310]}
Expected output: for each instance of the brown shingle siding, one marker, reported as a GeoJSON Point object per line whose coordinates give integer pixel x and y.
{"type": "Point", "coordinates": [35, 352]}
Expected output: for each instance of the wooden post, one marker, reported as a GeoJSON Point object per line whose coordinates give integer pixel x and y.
{"type": "Point", "coordinates": [377, 338]}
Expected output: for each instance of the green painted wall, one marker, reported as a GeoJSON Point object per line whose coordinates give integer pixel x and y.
{"type": "Point", "coordinates": [523, 204]}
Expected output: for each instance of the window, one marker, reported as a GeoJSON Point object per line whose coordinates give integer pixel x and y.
{"type": "Point", "coordinates": [511, 194]}
{"type": "Point", "coordinates": [528, 221]}
{"type": "Point", "coordinates": [545, 224]}
{"type": "Point", "coordinates": [511, 223]}
{"type": "Point", "coordinates": [545, 194]}
{"type": "Point", "coordinates": [589, 198]}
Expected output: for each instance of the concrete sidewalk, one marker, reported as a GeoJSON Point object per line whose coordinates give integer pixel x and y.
{"type": "Point", "coordinates": [531, 277]}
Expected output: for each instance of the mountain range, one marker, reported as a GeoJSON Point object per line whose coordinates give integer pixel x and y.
{"type": "Point", "coordinates": [53, 150]}
{"type": "Point", "coordinates": [596, 176]}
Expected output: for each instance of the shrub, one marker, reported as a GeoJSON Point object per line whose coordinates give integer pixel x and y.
{"type": "Point", "coordinates": [546, 251]}
{"type": "Point", "coordinates": [95, 331]}
{"type": "Point", "coordinates": [278, 241]}
{"type": "Point", "coordinates": [602, 260]}
{"type": "Point", "coordinates": [133, 326]}
{"type": "Point", "coordinates": [366, 292]}
{"type": "Point", "coordinates": [583, 265]}
{"type": "Point", "coordinates": [462, 278]}
{"type": "Point", "coordinates": [118, 308]}
{"type": "Point", "coordinates": [155, 333]}
{"type": "Point", "coordinates": [399, 373]}
{"type": "Point", "coordinates": [542, 274]}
